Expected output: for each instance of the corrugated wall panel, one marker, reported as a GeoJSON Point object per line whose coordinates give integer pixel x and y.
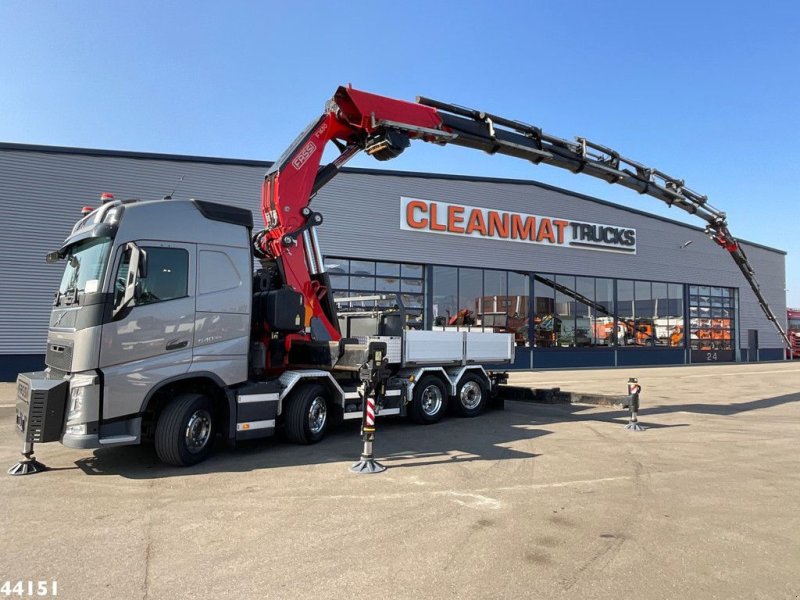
{"type": "Point", "coordinates": [41, 194]}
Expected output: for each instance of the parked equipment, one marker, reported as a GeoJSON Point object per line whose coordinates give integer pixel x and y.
{"type": "Point", "coordinates": [160, 330]}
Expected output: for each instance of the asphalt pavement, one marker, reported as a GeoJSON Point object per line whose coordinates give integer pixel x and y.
{"type": "Point", "coordinates": [535, 501]}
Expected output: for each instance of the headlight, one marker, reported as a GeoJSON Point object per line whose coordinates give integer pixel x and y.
{"type": "Point", "coordinates": [76, 429]}
{"type": "Point", "coordinates": [80, 387]}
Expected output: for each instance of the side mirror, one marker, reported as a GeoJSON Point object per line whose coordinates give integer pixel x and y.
{"type": "Point", "coordinates": [142, 266]}
{"type": "Point", "coordinates": [137, 267]}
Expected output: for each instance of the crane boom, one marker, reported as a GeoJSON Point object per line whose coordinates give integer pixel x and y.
{"type": "Point", "coordinates": [383, 127]}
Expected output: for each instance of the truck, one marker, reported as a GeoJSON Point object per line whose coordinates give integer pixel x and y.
{"type": "Point", "coordinates": [793, 329]}
{"type": "Point", "coordinates": [162, 331]}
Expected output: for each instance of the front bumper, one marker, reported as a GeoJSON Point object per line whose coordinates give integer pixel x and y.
{"type": "Point", "coordinates": [81, 441]}
{"type": "Point", "coordinates": [44, 410]}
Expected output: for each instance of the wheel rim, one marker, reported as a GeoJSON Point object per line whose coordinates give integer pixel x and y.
{"type": "Point", "coordinates": [431, 400]}
{"type": "Point", "coordinates": [198, 431]}
{"type": "Point", "coordinates": [471, 395]}
{"type": "Point", "coordinates": [317, 415]}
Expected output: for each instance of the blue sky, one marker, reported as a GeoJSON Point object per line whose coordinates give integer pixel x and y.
{"type": "Point", "coordinates": [705, 91]}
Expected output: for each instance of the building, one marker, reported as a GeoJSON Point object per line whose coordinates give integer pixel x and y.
{"type": "Point", "coordinates": [579, 281]}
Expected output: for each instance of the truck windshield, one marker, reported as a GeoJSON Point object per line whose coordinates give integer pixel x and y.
{"type": "Point", "coordinates": [86, 263]}
{"type": "Point", "coordinates": [794, 323]}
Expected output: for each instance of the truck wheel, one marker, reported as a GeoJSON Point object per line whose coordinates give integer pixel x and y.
{"type": "Point", "coordinates": [471, 396]}
{"type": "Point", "coordinates": [185, 430]}
{"type": "Point", "coordinates": [308, 413]}
{"type": "Point", "coordinates": [429, 401]}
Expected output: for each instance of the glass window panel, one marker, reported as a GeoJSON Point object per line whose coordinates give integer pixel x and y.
{"type": "Point", "coordinates": [387, 284]}
{"type": "Point", "coordinates": [543, 308]}
{"type": "Point", "coordinates": [518, 307]}
{"type": "Point", "coordinates": [362, 267]}
{"type": "Point", "coordinates": [565, 311]}
{"type": "Point", "coordinates": [584, 296]}
{"type": "Point", "coordinates": [676, 338]}
{"type": "Point", "coordinates": [411, 285]}
{"type": "Point", "coordinates": [167, 276]}
{"type": "Point", "coordinates": [704, 290]}
{"type": "Point", "coordinates": [585, 312]}
{"type": "Point", "coordinates": [635, 326]}
{"type": "Point", "coordinates": [412, 271]}
{"type": "Point", "coordinates": [362, 283]}
{"type": "Point", "coordinates": [444, 296]}
{"type": "Point", "coordinates": [387, 269]}
{"type": "Point", "coordinates": [337, 265]}
{"type": "Point", "coordinates": [470, 291]}
{"type": "Point", "coordinates": [495, 283]}
{"type": "Point", "coordinates": [339, 282]}
{"type": "Point", "coordinates": [625, 299]}
{"type": "Point", "coordinates": [493, 305]}
{"type": "Point", "coordinates": [716, 291]}
{"type": "Point", "coordinates": [412, 300]}
{"type": "Point", "coordinates": [661, 307]}
{"type": "Point", "coordinates": [604, 313]}
{"type": "Point", "coordinates": [644, 306]}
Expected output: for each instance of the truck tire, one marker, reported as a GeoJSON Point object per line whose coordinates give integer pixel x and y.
{"type": "Point", "coordinates": [185, 430]}
{"type": "Point", "coordinates": [472, 394]}
{"type": "Point", "coordinates": [429, 401]}
{"type": "Point", "coordinates": [307, 414]}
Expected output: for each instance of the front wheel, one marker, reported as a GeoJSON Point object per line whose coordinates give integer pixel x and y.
{"type": "Point", "coordinates": [307, 414]}
{"type": "Point", "coordinates": [185, 430]}
{"type": "Point", "coordinates": [429, 401]}
{"type": "Point", "coordinates": [471, 396]}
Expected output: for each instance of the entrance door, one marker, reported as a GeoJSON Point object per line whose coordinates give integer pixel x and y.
{"type": "Point", "coordinates": [153, 339]}
{"type": "Point", "coordinates": [752, 345]}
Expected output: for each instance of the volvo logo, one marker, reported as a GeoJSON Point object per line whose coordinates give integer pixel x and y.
{"type": "Point", "coordinates": [58, 319]}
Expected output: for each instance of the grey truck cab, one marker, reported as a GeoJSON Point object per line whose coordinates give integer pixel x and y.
{"type": "Point", "coordinates": [154, 301]}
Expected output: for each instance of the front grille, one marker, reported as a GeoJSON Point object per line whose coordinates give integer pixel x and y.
{"type": "Point", "coordinates": [59, 356]}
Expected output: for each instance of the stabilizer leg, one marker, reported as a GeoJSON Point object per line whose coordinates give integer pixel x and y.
{"type": "Point", "coordinates": [28, 465]}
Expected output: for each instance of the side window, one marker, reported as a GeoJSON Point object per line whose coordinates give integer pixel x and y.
{"type": "Point", "coordinates": [167, 276]}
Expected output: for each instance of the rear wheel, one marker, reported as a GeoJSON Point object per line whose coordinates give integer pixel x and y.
{"type": "Point", "coordinates": [429, 401]}
{"type": "Point", "coordinates": [471, 396]}
{"type": "Point", "coordinates": [185, 430]}
{"type": "Point", "coordinates": [307, 414]}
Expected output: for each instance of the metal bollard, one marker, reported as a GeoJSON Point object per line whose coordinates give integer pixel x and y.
{"type": "Point", "coordinates": [633, 403]}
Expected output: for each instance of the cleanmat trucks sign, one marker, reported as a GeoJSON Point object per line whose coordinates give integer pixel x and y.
{"type": "Point", "coordinates": [458, 219]}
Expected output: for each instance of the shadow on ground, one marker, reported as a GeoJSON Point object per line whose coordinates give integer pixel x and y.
{"type": "Point", "coordinates": [398, 444]}
{"type": "Point", "coordinates": [402, 444]}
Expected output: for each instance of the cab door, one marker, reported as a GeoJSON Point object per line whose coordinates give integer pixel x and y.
{"type": "Point", "coordinates": [152, 338]}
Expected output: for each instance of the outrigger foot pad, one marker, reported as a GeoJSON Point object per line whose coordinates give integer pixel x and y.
{"type": "Point", "coordinates": [27, 466]}
{"type": "Point", "coordinates": [633, 426]}
{"type": "Point", "coordinates": [368, 465]}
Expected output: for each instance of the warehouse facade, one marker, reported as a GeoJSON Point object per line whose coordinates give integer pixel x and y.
{"type": "Point", "coordinates": [578, 281]}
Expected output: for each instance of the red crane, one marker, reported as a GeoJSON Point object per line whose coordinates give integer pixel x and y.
{"type": "Point", "coordinates": [383, 127]}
